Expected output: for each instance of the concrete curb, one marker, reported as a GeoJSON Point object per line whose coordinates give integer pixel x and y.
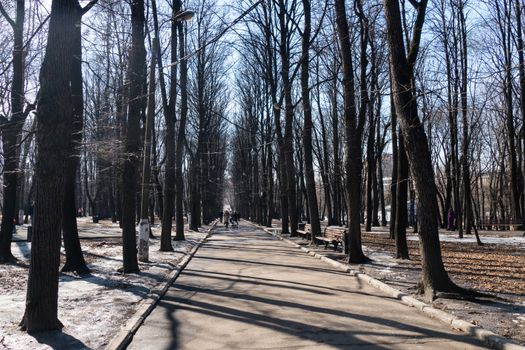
{"type": "Point", "coordinates": [489, 338]}
{"type": "Point", "coordinates": [126, 333]}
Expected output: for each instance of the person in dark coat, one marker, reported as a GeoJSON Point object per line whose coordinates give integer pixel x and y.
{"type": "Point", "coordinates": [451, 218]}
{"type": "Point", "coordinates": [226, 218]}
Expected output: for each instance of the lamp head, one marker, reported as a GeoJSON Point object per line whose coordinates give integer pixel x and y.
{"type": "Point", "coordinates": [184, 15]}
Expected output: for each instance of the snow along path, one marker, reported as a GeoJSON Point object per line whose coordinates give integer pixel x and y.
{"type": "Point", "coordinates": [94, 308]}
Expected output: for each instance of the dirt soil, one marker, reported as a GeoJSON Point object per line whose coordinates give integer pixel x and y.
{"type": "Point", "coordinates": [92, 308]}
{"type": "Point", "coordinates": [497, 268]}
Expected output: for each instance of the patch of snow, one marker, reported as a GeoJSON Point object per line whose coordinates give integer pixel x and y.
{"type": "Point", "coordinates": [443, 237]}
{"type": "Point", "coordinates": [93, 308]}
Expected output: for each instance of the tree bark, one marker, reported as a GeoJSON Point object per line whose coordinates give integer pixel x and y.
{"type": "Point", "coordinates": [370, 170]}
{"type": "Point", "coordinates": [132, 146]}
{"type": "Point", "coordinates": [401, 201]}
{"type": "Point", "coordinates": [179, 192]}
{"type": "Point", "coordinates": [74, 256]}
{"type": "Point", "coordinates": [168, 107]}
{"type": "Point", "coordinates": [395, 156]}
{"type": "Point", "coordinates": [54, 117]}
{"type": "Point", "coordinates": [338, 172]}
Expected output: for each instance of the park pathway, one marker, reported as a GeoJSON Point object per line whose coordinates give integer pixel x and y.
{"type": "Point", "coordinates": [244, 289]}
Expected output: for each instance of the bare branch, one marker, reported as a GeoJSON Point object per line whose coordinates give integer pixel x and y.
{"type": "Point", "coordinates": [415, 3]}
{"type": "Point", "coordinates": [6, 15]}
{"type": "Point", "coordinates": [88, 7]}
{"type": "Point", "coordinates": [416, 35]}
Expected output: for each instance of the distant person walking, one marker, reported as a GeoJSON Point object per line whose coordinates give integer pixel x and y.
{"type": "Point", "coordinates": [226, 218]}
{"type": "Point", "coordinates": [451, 218]}
{"type": "Point", "coordinates": [235, 219]}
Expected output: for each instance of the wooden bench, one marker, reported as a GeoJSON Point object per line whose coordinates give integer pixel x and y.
{"type": "Point", "coordinates": [304, 231]}
{"type": "Point", "coordinates": [274, 230]}
{"type": "Point", "coordinates": [500, 225]}
{"type": "Point", "coordinates": [331, 235]}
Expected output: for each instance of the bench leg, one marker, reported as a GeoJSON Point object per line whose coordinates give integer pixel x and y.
{"type": "Point", "coordinates": [335, 243]}
{"type": "Point", "coordinates": [326, 245]}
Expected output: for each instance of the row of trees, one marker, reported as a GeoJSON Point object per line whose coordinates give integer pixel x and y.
{"type": "Point", "coordinates": [138, 115]}
{"type": "Point", "coordinates": [412, 107]}
{"type": "Point", "coordinates": [96, 141]}
{"type": "Point", "coordinates": [283, 50]}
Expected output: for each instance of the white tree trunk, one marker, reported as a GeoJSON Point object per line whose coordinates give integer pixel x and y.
{"type": "Point", "coordinates": [144, 230]}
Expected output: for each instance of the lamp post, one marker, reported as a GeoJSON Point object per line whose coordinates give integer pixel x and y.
{"type": "Point", "coordinates": [144, 226]}
{"type": "Point", "coordinates": [179, 184]}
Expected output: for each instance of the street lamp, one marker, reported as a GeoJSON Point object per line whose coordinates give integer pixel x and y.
{"type": "Point", "coordinates": [144, 227]}
{"type": "Point", "coordinates": [184, 15]}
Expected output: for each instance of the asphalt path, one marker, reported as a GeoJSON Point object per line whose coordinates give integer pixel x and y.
{"type": "Point", "coordinates": [245, 289]}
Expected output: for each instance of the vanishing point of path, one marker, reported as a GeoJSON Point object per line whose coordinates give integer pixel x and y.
{"type": "Point", "coordinates": [244, 289]}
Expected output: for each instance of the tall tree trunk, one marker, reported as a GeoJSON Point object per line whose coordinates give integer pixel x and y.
{"type": "Point", "coordinates": [353, 131]}
{"type": "Point", "coordinates": [338, 172]}
{"type": "Point", "coordinates": [325, 168]}
{"type": "Point", "coordinates": [371, 164]}
{"type": "Point", "coordinates": [168, 104]}
{"type": "Point", "coordinates": [291, 185]}
{"type": "Point", "coordinates": [521, 69]}
{"type": "Point", "coordinates": [54, 117]}
{"type": "Point", "coordinates": [130, 164]}
{"type": "Point", "coordinates": [74, 256]}
{"type": "Point", "coordinates": [448, 192]}
{"type": "Point", "coordinates": [181, 135]}
{"type": "Point", "coordinates": [504, 26]}
{"type": "Point", "coordinates": [308, 125]}
{"type": "Point", "coordinates": [379, 161]}
{"type": "Point", "coordinates": [433, 275]}
{"type": "Point", "coordinates": [270, 191]}
{"type": "Point", "coordinates": [465, 159]}
{"type": "Point", "coordinates": [195, 200]}
{"type": "Point", "coordinates": [283, 198]}
{"type": "Point", "coordinates": [395, 162]}
{"type": "Point", "coordinates": [401, 201]}
{"type": "Point", "coordinates": [10, 131]}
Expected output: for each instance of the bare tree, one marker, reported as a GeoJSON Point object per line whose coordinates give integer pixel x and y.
{"type": "Point", "coordinates": [354, 125]}
{"type": "Point", "coordinates": [10, 132]}
{"type": "Point", "coordinates": [434, 278]}
{"type": "Point", "coordinates": [308, 125]}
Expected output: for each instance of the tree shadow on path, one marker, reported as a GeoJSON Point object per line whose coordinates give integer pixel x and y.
{"type": "Point", "coordinates": [191, 300]}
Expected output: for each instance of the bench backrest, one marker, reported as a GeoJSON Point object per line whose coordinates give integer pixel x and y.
{"type": "Point", "coordinates": [308, 228]}
{"type": "Point", "coordinates": [335, 232]}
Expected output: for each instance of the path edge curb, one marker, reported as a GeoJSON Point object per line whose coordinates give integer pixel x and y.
{"type": "Point", "coordinates": [489, 338]}
{"type": "Point", "coordinates": [122, 339]}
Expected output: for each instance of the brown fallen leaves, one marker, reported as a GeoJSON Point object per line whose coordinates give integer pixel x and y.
{"type": "Point", "coordinates": [493, 268]}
